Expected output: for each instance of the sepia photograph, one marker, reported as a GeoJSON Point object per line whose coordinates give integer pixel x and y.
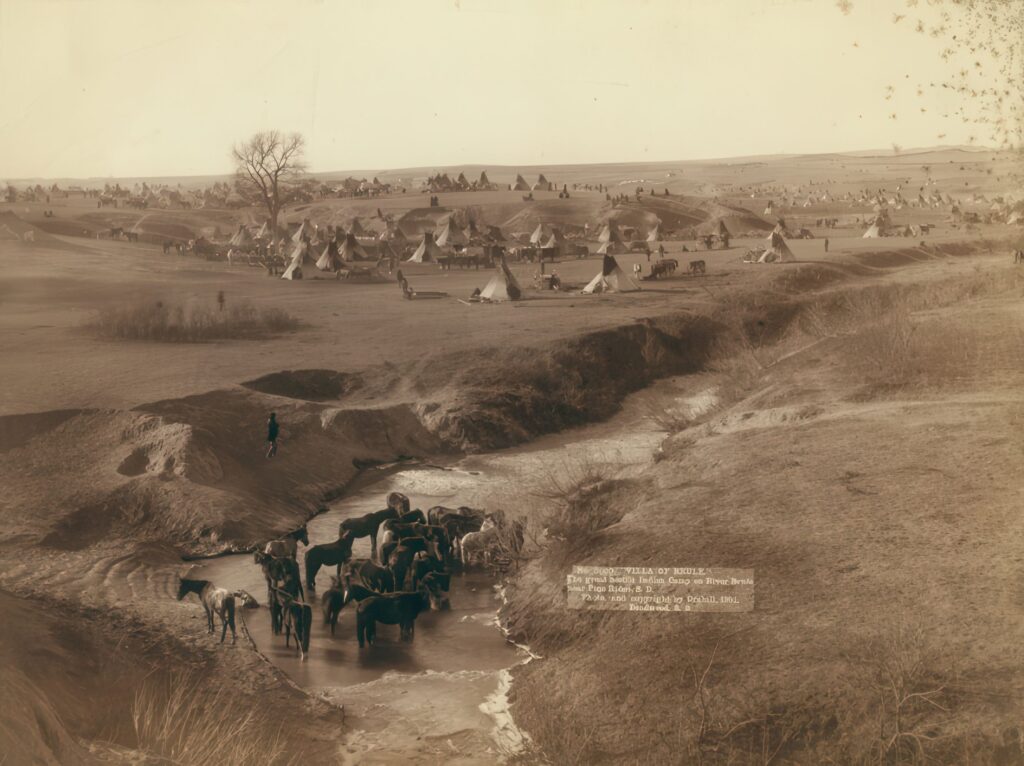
{"type": "Point", "coordinates": [512, 382]}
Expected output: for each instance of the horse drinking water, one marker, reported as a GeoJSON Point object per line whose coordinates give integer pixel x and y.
{"type": "Point", "coordinates": [214, 600]}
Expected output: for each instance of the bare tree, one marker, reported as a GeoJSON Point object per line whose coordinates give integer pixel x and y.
{"type": "Point", "coordinates": [265, 163]}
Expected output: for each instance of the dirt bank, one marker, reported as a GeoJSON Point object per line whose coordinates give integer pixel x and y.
{"type": "Point", "coordinates": [865, 470]}
{"type": "Point", "coordinates": [102, 504]}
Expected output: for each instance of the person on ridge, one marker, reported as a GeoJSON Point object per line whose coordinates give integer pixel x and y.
{"type": "Point", "coordinates": [272, 431]}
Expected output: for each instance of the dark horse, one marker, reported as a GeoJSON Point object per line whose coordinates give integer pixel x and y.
{"type": "Point", "coordinates": [332, 602]}
{"type": "Point", "coordinates": [214, 600]}
{"type": "Point", "coordinates": [367, 526]}
{"type": "Point", "coordinates": [393, 609]}
{"type": "Point", "coordinates": [329, 554]}
{"type": "Point", "coordinates": [368, 573]}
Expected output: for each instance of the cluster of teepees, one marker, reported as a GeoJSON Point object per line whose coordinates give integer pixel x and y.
{"type": "Point", "coordinates": [611, 279]}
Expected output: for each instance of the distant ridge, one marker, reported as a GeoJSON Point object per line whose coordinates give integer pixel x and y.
{"type": "Point", "coordinates": [475, 168]}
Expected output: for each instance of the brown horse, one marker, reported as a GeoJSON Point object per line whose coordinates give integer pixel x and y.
{"type": "Point", "coordinates": [214, 600]}
{"type": "Point", "coordinates": [329, 554]}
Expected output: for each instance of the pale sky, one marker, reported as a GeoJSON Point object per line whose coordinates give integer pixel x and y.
{"type": "Point", "coordinates": [148, 87]}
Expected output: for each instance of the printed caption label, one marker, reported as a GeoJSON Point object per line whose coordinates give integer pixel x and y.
{"type": "Point", "coordinates": [661, 589]}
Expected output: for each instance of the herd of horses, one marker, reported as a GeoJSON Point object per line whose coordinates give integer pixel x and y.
{"type": "Point", "coordinates": [413, 555]}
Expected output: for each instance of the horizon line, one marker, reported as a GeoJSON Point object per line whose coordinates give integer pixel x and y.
{"type": "Point", "coordinates": [853, 153]}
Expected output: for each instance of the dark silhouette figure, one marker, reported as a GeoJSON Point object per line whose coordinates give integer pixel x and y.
{"type": "Point", "coordinates": [272, 431]}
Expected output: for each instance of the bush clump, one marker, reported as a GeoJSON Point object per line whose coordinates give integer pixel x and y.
{"type": "Point", "coordinates": [192, 324]}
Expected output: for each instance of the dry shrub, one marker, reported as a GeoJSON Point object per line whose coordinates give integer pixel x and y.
{"type": "Point", "coordinates": [739, 365]}
{"type": "Point", "coordinates": [566, 730]}
{"type": "Point", "coordinates": [185, 719]}
{"type": "Point", "coordinates": [574, 502]}
{"type": "Point", "coordinates": [191, 324]}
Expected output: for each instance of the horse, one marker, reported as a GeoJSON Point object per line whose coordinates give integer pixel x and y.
{"type": "Point", "coordinates": [298, 619]}
{"type": "Point", "coordinates": [278, 572]}
{"type": "Point", "coordinates": [367, 526]}
{"type": "Point", "coordinates": [332, 602]}
{"type": "Point", "coordinates": [423, 566]}
{"type": "Point", "coordinates": [214, 600]}
{"type": "Point", "coordinates": [397, 529]}
{"type": "Point", "coordinates": [698, 267]}
{"type": "Point", "coordinates": [400, 556]}
{"type": "Point", "coordinates": [329, 554]}
{"type": "Point", "coordinates": [438, 512]}
{"type": "Point", "coordinates": [392, 609]}
{"type": "Point", "coordinates": [369, 573]}
{"type": "Point", "coordinates": [287, 545]}
{"type": "Point", "coordinates": [399, 502]}
{"type": "Point", "coordinates": [479, 543]}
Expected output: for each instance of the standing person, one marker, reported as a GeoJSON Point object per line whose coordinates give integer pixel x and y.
{"type": "Point", "coordinates": [272, 430]}
{"type": "Point", "coordinates": [826, 244]}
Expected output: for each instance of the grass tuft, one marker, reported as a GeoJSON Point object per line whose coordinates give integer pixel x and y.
{"type": "Point", "coordinates": [180, 718]}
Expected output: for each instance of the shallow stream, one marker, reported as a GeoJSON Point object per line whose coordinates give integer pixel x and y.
{"type": "Point", "coordinates": [443, 697]}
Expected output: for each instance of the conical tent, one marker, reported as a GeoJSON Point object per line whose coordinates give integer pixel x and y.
{"type": "Point", "coordinates": [264, 230]}
{"type": "Point", "coordinates": [542, 184]}
{"type": "Point", "coordinates": [520, 184]}
{"type": "Point", "coordinates": [541, 233]}
{"type": "Point", "coordinates": [722, 231]}
{"type": "Point", "coordinates": [610, 233]}
{"type": "Point", "coordinates": [305, 231]}
{"type": "Point", "coordinates": [462, 180]}
{"type": "Point", "coordinates": [356, 228]}
{"type": "Point", "coordinates": [294, 270]}
{"type": "Point", "coordinates": [451, 235]}
{"type": "Point", "coordinates": [611, 279]}
{"type": "Point", "coordinates": [503, 285]}
{"type": "Point", "coordinates": [555, 240]}
{"type": "Point", "coordinates": [654, 235]}
{"type": "Point", "coordinates": [427, 252]}
{"type": "Point", "coordinates": [484, 181]}
{"type": "Point", "coordinates": [350, 250]}
{"type": "Point", "coordinates": [872, 232]}
{"type": "Point", "coordinates": [242, 238]}
{"type": "Point", "coordinates": [329, 259]}
{"type": "Point", "coordinates": [776, 250]}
